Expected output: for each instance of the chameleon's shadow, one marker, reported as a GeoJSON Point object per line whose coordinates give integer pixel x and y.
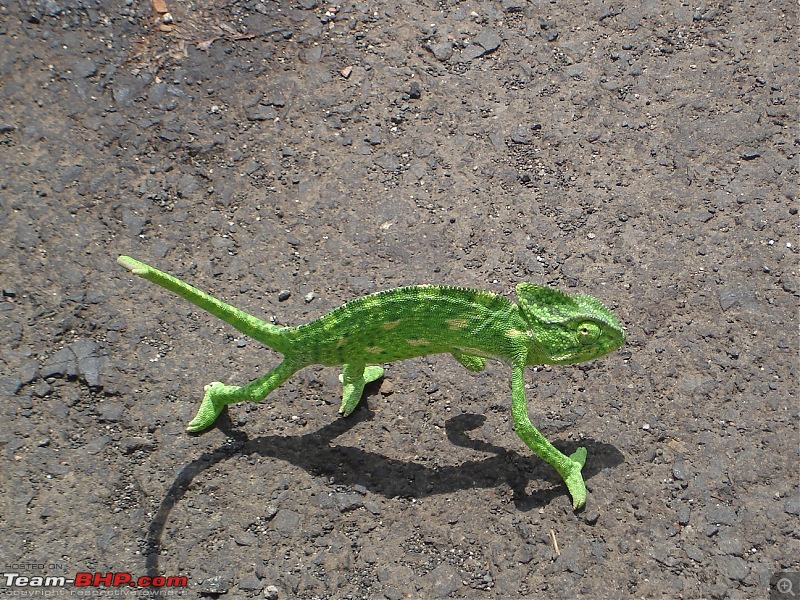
{"type": "Point", "coordinates": [379, 474]}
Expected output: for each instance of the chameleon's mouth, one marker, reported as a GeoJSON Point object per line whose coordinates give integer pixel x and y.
{"type": "Point", "coordinates": [581, 354]}
{"type": "Point", "coordinates": [571, 357]}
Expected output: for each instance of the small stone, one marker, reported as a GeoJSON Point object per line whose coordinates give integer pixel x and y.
{"type": "Point", "coordinates": [89, 363]}
{"type": "Point", "coordinates": [443, 581]}
{"type": "Point", "coordinates": [442, 51]}
{"type": "Point", "coordinates": [214, 586]}
{"type": "Point", "coordinates": [251, 583]}
{"type": "Point", "coordinates": [110, 411]}
{"type": "Point", "coordinates": [694, 553]}
{"type": "Point", "coordinates": [347, 502]}
{"type": "Point", "coordinates": [347, 71]}
{"type": "Point", "coordinates": [514, 5]}
{"type": "Point", "coordinates": [271, 592]}
{"type": "Point", "coordinates": [85, 68]}
{"type": "Point", "coordinates": [790, 284]}
{"type": "Point", "coordinates": [375, 137]}
{"type": "Point", "coordinates": [792, 506]}
{"type": "Point", "coordinates": [591, 517]}
{"type": "Point", "coordinates": [521, 135]}
{"type": "Point", "coordinates": [60, 364]}
{"type": "Point", "coordinates": [259, 112]}
{"type": "Point", "coordinates": [284, 295]}
{"type": "Point", "coordinates": [309, 297]}
{"type": "Point", "coordinates": [733, 567]}
{"type": "Point", "coordinates": [750, 155]}
{"type": "Point", "coordinates": [472, 52]}
{"type": "Point", "coordinates": [489, 40]}
{"type": "Point", "coordinates": [679, 469]}
{"type": "Point", "coordinates": [724, 515]}
{"type": "Point", "coordinates": [733, 295]}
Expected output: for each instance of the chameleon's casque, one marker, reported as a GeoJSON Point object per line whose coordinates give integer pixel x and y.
{"type": "Point", "coordinates": [546, 327]}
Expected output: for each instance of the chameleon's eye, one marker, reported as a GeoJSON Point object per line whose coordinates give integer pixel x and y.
{"type": "Point", "coordinates": [588, 332]}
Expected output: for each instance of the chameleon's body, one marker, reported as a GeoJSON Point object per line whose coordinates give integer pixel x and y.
{"type": "Point", "coordinates": [546, 327]}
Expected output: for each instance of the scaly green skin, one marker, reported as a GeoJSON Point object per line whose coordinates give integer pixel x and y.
{"type": "Point", "coordinates": [546, 327]}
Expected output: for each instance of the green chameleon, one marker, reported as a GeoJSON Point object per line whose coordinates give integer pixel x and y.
{"type": "Point", "coordinates": [547, 327]}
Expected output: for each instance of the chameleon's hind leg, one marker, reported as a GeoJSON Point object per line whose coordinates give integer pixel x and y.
{"type": "Point", "coordinates": [569, 467]}
{"type": "Point", "coordinates": [218, 395]}
{"type": "Point", "coordinates": [354, 378]}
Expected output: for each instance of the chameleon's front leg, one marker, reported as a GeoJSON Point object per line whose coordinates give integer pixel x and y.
{"type": "Point", "coordinates": [218, 395]}
{"type": "Point", "coordinates": [569, 467]}
{"type": "Point", "coordinates": [354, 378]}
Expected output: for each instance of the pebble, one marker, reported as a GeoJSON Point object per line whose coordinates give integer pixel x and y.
{"type": "Point", "coordinates": [61, 363]}
{"type": "Point", "coordinates": [732, 567]}
{"type": "Point", "coordinates": [346, 502]}
{"type": "Point", "coordinates": [489, 40]}
{"type": "Point", "coordinates": [375, 137]}
{"type": "Point", "coordinates": [736, 295]}
{"type": "Point", "coordinates": [85, 68]}
{"type": "Point", "coordinates": [514, 5]}
{"type": "Point", "coordinates": [723, 515]}
{"type": "Point", "coordinates": [443, 581]}
{"type": "Point", "coordinates": [110, 411]}
{"type": "Point", "coordinates": [591, 517]}
{"type": "Point", "coordinates": [521, 135]}
{"type": "Point", "coordinates": [251, 583]}
{"type": "Point", "coordinates": [271, 592]}
{"type": "Point", "coordinates": [284, 295]}
{"type": "Point", "coordinates": [679, 469]}
{"type": "Point", "coordinates": [443, 51]}
{"type": "Point", "coordinates": [214, 586]}
{"type": "Point", "coordinates": [472, 52]}
{"type": "Point", "coordinates": [792, 506]}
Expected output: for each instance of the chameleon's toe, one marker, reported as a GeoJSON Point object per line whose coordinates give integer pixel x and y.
{"type": "Point", "coordinates": [350, 399]}
{"type": "Point", "coordinates": [354, 378]}
{"type": "Point", "coordinates": [574, 479]}
{"type": "Point", "coordinates": [372, 373]}
{"type": "Point", "coordinates": [216, 396]}
{"type": "Point", "coordinates": [579, 456]}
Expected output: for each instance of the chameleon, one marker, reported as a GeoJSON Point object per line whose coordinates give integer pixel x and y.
{"type": "Point", "coordinates": [547, 326]}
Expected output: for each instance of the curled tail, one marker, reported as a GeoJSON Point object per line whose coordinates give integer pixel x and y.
{"type": "Point", "coordinates": [268, 334]}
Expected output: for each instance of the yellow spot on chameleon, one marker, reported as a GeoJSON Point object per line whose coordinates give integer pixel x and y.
{"type": "Point", "coordinates": [513, 333]}
{"type": "Point", "coordinates": [390, 325]}
{"type": "Point", "coordinates": [341, 342]}
{"type": "Point", "coordinates": [374, 349]}
{"type": "Point", "coordinates": [456, 324]}
{"type": "Point", "coordinates": [418, 342]}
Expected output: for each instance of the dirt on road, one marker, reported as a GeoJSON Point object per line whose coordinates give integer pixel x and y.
{"type": "Point", "coordinates": [291, 157]}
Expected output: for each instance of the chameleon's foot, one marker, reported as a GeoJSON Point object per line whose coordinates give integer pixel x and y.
{"type": "Point", "coordinates": [354, 379]}
{"type": "Point", "coordinates": [217, 396]}
{"type": "Point", "coordinates": [574, 479]}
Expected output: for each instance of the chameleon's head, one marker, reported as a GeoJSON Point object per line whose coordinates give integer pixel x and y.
{"type": "Point", "coordinates": [567, 329]}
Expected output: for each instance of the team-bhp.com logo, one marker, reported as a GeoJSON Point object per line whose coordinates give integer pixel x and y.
{"type": "Point", "coordinates": [113, 579]}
